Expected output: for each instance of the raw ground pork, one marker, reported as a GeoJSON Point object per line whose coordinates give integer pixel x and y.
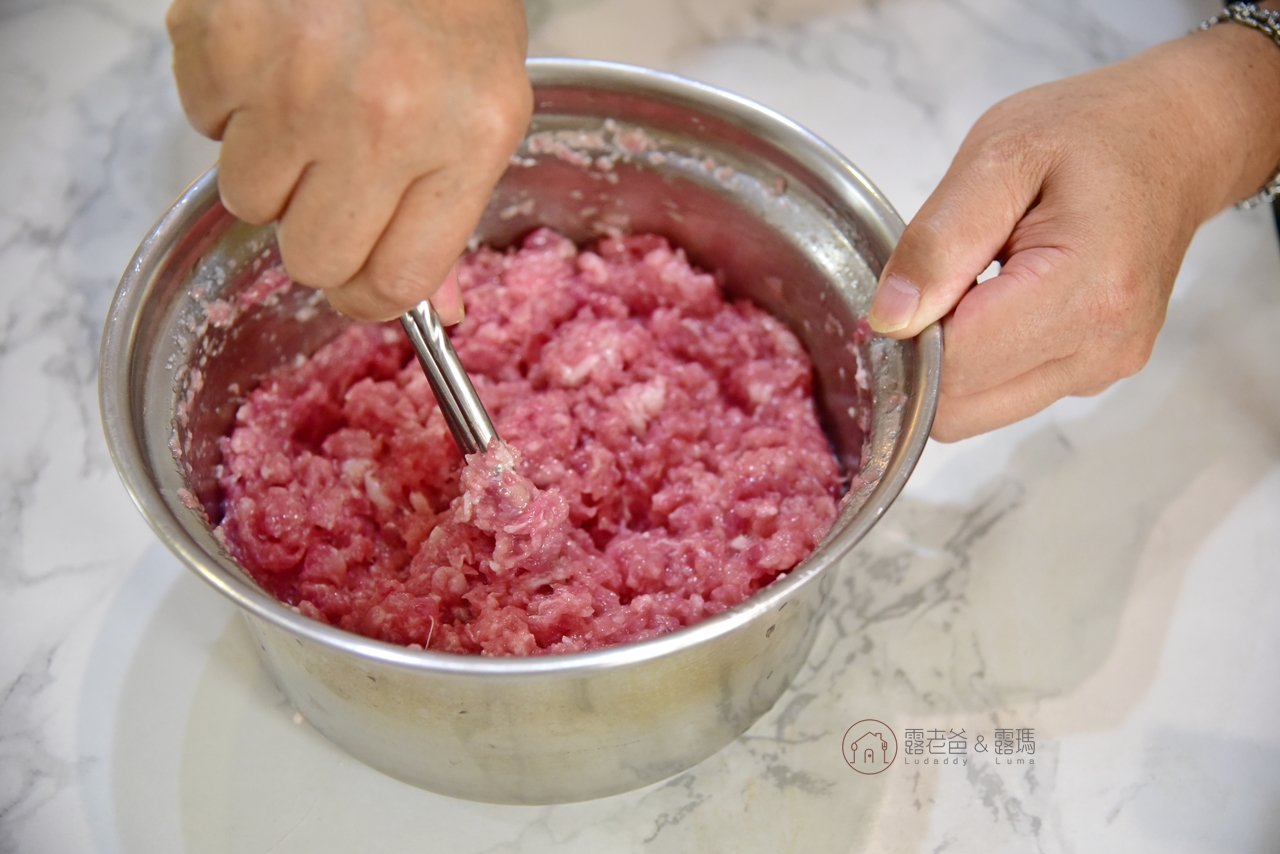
{"type": "Point", "coordinates": [662, 461]}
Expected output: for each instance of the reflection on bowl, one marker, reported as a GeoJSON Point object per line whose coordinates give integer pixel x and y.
{"type": "Point", "coordinates": [789, 223]}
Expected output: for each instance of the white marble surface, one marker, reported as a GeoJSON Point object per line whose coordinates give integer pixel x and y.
{"type": "Point", "coordinates": [1106, 574]}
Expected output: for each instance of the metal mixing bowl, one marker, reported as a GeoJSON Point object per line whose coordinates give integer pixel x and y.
{"type": "Point", "coordinates": [790, 224]}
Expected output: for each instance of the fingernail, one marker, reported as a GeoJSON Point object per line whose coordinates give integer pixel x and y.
{"type": "Point", "coordinates": [448, 301]}
{"type": "Point", "coordinates": [450, 313]}
{"type": "Point", "coordinates": [894, 305]}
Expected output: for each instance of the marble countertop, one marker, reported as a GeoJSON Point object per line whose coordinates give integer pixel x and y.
{"type": "Point", "coordinates": [1084, 608]}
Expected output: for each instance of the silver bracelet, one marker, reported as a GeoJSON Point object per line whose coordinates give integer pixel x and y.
{"type": "Point", "coordinates": [1268, 22]}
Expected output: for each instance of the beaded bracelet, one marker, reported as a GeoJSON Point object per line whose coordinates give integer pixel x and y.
{"type": "Point", "coordinates": [1268, 22]}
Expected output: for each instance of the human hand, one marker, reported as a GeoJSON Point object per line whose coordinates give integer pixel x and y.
{"type": "Point", "coordinates": [371, 131]}
{"type": "Point", "coordinates": [1087, 191]}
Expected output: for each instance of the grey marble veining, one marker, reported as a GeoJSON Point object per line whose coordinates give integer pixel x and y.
{"type": "Point", "coordinates": [1104, 574]}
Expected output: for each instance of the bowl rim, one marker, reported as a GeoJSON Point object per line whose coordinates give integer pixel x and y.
{"type": "Point", "coordinates": [119, 344]}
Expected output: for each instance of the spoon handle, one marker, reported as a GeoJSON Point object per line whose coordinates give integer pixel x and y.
{"type": "Point", "coordinates": [467, 418]}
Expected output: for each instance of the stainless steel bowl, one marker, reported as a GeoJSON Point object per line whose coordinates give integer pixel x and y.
{"type": "Point", "coordinates": [789, 222]}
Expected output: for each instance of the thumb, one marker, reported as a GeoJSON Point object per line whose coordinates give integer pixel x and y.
{"type": "Point", "coordinates": [959, 230]}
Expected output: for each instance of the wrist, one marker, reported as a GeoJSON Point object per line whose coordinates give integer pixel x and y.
{"type": "Point", "coordinates": [1243, 54]}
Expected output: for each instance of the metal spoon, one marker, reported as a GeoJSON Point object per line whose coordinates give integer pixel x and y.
{"type": "Point", "coordinates": [467, 418]}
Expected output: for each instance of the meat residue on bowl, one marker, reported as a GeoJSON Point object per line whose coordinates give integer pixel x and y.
{"type": "Point", "coordinates": [662, 461]}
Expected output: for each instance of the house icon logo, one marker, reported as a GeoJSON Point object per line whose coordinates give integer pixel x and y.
{"type": "Point", "coordinates": [870, 746]}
